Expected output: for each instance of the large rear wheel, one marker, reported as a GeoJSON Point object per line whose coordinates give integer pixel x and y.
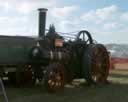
{"type": "Point", "coordinates": [96, 64]}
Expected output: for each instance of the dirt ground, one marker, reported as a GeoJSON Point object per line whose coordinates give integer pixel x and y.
{"type": "Point", "coordinates": [116, 91]}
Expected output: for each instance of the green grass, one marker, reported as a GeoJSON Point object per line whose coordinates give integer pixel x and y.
{"type": "Point", "coordinates": [117, 91]}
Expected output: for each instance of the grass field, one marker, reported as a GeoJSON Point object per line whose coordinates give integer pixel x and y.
{"type": "Point", "coordinates": [116, 91]}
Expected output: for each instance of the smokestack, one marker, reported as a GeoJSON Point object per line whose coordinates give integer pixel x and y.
{"type": "Point", "coordinates": [42, 22]}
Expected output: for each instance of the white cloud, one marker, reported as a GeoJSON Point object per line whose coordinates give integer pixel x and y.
{"type": "Point", "coordinates": [107, 18]}
{"type": "Point", "coordinates": [13, 26]}
{"type": "Point", "coordinates": [18, 11]}
{"type": "Point", "coordinates": [63, 17]}
{"type": "Point", "coordinates": [89, 16]}
{"type": "Point", "coordinates": [26, 6]}
{"type": "Point", "coordinates": [63, 12]}
{"type": "Point", "coordinates": [106, 24]}
{"type": "Point", "coordinates": [124, 16]}
{"type": "Point", "coordinates": [107, 12]}
{"type": "Point", "coordinates": [101, 15]}
{"type": "Point", "coordinates": [5, 5]}
{"type": "Point", "coordinates": [21, 15]}
{"type": "Point", "coordinates": [13, 21]}
{"type": "Point", "coordinates": [110, 25]}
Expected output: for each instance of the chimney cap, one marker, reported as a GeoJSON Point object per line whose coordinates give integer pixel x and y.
{"type": "Point", "coordinates": [42, 9]}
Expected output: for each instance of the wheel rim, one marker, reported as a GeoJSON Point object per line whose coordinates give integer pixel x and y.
{"type": "Point", "coordinates": [100, 65]}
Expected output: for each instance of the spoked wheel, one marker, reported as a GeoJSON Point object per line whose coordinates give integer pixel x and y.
{"type": "Point", "coordinates": [85, 36]}
{"type": "Point", "coordinates": [54, 77]}
{"type": "Point", "coordinates": [96, 64]}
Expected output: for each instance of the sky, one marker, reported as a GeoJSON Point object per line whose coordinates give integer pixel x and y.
{"type": "Point", "coordinates": [106, 20]}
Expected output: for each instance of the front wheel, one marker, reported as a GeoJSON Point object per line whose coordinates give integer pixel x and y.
{"type": "Point", "coordinates": [54, 78]}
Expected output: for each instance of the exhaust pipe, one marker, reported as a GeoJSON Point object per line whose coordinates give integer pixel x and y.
{"type": "Point", "coordinates": [42, 22]}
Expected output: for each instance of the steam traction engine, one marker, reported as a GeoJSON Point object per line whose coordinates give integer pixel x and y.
{"type": "Point", "coordinates": [58, 61]}
{"type": "Point", "coordinates": [52, 58]}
